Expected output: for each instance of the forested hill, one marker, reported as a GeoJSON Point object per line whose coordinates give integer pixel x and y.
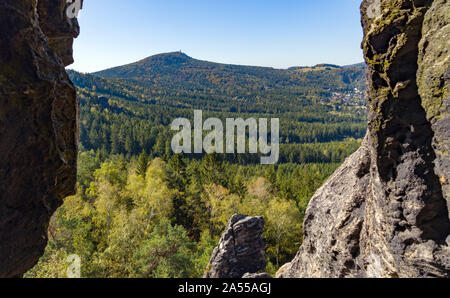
{"type": "Point", "coordinates": [127, 109]}
{"type": "Point", "coordinates": [179, 71]}
{"type": "Point", "coordinates": [131, 203]}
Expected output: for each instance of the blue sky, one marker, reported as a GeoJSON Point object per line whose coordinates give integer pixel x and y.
{"type": "Point", "coordinates": [276, 33]}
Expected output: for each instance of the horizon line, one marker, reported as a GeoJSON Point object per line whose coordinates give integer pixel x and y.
{"type": "Point", "coordinates": [223, 63]}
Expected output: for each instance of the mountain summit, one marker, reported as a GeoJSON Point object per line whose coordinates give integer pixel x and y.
{"type": "Point", "coordinates": [178, 69]}
{"type": "Point", "coordinates": [153, 64]}
{"type": "Point", "coordinates": [166, 59]}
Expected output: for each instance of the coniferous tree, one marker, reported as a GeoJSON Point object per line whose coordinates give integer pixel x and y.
{"type": "Point", "coordinates": [142, 164]}
{"type": "Point", "coordinates": [177, 179]}
{"type": "Point", "coordinates": [212, 170]}
{"type": "Point", "coordinates": [238, 185]}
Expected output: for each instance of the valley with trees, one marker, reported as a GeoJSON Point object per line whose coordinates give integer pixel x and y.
{"type": "Point", "coordinates": [143, 211]}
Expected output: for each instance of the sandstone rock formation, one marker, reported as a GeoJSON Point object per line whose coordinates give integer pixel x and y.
{"type": "Point", "coordinates": [241, 249]}
{"type": "Point", "coordinates": [384, 213]}
{"type": "Point", "coordinates": [38, 126]}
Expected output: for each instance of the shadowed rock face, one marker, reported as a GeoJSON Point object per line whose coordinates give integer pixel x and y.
{"type": "Point", "coordinates": [384, 213]}
{"type": "Point", "coordinates": [38, 126]}
{"type": "Point", "coordinates": [241, 250]}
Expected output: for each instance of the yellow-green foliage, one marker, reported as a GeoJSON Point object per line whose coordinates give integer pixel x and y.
{"type": "Point", "coordinates": [122, 224]}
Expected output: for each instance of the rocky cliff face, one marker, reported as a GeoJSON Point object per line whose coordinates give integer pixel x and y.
{"type": "Point", "coordinates": [241, 250]}
{"type": "Point", "coordinates": [384, 213]}
{"type": "Point", "coordinates": [38, 126]}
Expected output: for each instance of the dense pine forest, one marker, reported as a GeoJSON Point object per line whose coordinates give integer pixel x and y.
{"type": "Point", "coordinates": [142, 211]}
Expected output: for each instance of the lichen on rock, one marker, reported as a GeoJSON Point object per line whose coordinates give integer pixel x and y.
{"type": "Point", "coordinates": [384, 213]}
